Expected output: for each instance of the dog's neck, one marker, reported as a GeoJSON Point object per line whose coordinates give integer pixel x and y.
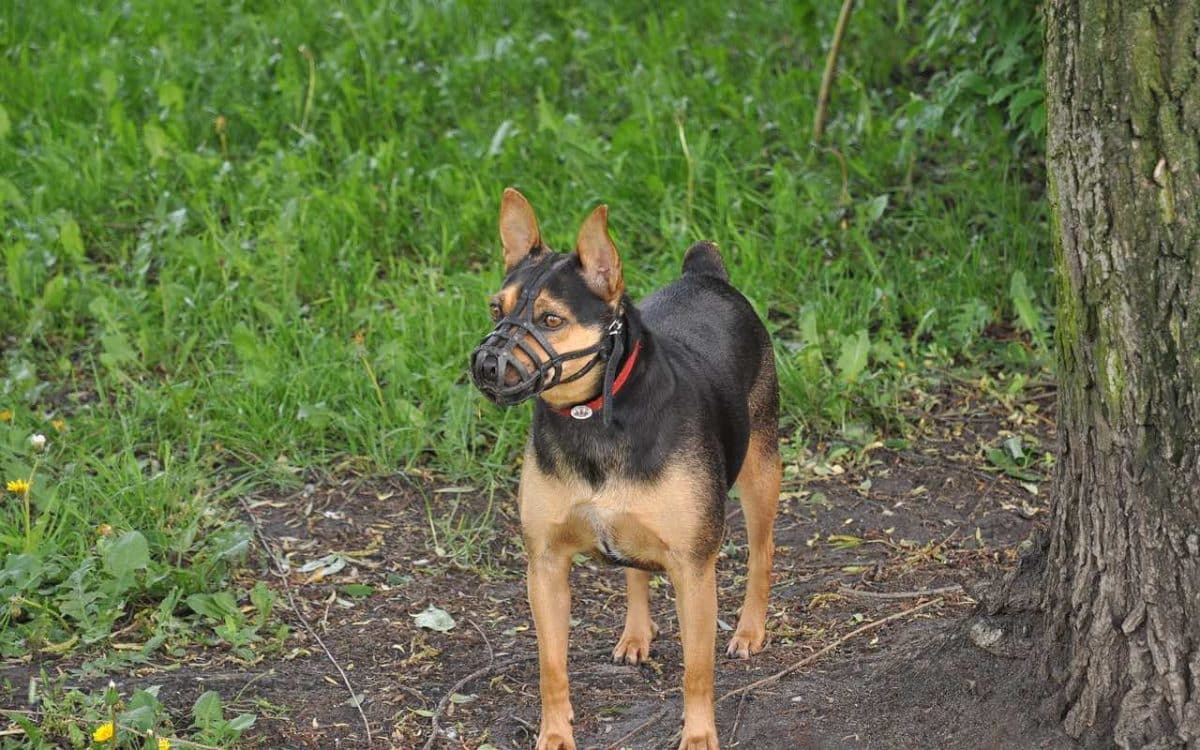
{"type": "Point", "coordinates": [589, 449]}
{"type": "Point", "coordinates": [624, 351]}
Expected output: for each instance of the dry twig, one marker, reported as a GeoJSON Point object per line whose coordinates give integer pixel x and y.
{"type": "Point", "coordinates": [953, 588]}
{"type": "Point", "coordinates": [492, 667]}
{"type": "Point", "coordinates": [737, 719]}
{"type": "Point", "coordinates": [744, 690]}
{"type": "Point", "coordinates": [640, 728]}
{"type": "Point", "coordinates": [817, 655]}
{"type": "Point", "coordinates": [281, 573]}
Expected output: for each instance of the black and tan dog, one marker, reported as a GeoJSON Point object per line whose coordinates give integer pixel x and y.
{"type": "Point", "coordinates": [645, 417]}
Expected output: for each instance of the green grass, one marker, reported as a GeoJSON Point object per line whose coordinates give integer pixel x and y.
{"type": "Point", "coordinates": [245, 240]}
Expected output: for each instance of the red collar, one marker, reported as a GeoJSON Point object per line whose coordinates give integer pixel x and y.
{"type": "Point", "coordinates": [586, 410]}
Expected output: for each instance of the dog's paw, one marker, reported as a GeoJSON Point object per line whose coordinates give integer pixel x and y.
{"type": "Point", "coordinates": [699, 738]}
{"type": "Point", "coordinates": [746, 640]}
{"type": "Point", "coordinates": [634, 646]}
{"type": "Point", "coordinates": [555, 739]}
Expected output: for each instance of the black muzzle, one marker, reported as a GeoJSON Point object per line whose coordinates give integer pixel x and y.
{"type": "Point", "coordinates": [505, 380]}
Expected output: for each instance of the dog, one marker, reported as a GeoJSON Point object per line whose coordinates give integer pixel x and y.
{"type": "Point", "coordinates": [646, 416]}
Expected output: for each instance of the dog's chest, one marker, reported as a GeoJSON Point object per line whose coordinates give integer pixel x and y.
{"type": "Point", "coordinates": [620, 531]}
{"type": "Point", "coordinates": [628, 522]}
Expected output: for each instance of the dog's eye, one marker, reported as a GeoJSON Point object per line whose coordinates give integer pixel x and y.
{"type": "Point", "coordinates": [550, 320]}
{"type": "Point", "coordinates": [496, 311]}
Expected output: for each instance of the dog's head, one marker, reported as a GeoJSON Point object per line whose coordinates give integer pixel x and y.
{"type": "Point", "coordinates": [555, 313]}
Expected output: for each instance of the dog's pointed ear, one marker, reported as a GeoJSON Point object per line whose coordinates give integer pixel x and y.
{"type": "Point", "coordinates": [519, 232]}
{"type": "Point", "coordinates": [598, 256]}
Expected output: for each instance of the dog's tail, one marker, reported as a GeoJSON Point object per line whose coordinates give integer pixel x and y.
{"type": "Point", "coordinates": [705, 259]}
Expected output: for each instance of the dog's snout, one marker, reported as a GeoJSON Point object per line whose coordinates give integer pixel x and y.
{"type": "Point", "coordinates": [487, 368]}
{"type": "Point", "coordinates": [489, 372]}
{"type": "Point", "coordinates": [486, 365]}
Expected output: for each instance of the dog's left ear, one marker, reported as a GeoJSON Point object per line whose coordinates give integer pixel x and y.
{"type": "Point", "coordinates": [598, 256]}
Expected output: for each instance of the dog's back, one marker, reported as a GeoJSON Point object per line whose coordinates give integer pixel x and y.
{"type": "Point", "coordinates": [717, 342]}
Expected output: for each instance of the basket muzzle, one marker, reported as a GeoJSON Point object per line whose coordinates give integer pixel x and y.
{"type": "Point", "coordinates": [503, 378]}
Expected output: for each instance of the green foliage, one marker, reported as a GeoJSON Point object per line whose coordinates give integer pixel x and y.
{"type": "Point", "coordinates": [985, 61]}
{"type": "Point", "coordinates": [232, 628]}
{"type": "Point", "coordinates": [243, 240]}
{"type": "Point", "coordinates": [106, 718]}
{"type": "Point", "coordinates": [210, 720]}
{"type": "Point", "coordinates": [1020, 457]}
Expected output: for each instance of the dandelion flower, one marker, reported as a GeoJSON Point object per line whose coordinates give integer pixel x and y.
{"type": "Point", "coordinates": [6, 415]}
{"type": "Point", "coordinates": [104, 732]}
{"type": "Point", "coordinates": [58, 424]}
{"type": "Point", "coordinates": [38, 441]}
{"type": "Point", "coordinates": [104, 530]}
{"type": "Point", "coordinates": [164, 743]}
{"type": "Point", "coordinates": [18, 486]}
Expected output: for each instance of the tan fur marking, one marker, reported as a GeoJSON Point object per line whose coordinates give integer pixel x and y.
{"type": "Point", "coordinates": [506, 298]}
{"type": "Point", "coordinates": [656, 522]}
{"type": "Point", "coordinates": [758, 483]}
{"type": "Point", "coordinates": [550, 599]}
{"type": "Point", "coordinates": [634, 644]}
{"type": "Point", "coordinates": [659, 522]}
{"type": "Point", "coordinates": [696, 603]}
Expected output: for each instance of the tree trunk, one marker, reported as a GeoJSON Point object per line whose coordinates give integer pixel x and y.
{"type": "Point", "coordinates": [1122, 587]}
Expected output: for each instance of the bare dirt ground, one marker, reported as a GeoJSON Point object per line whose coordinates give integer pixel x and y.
{"type": "Point", "coordinates": [858, 540]}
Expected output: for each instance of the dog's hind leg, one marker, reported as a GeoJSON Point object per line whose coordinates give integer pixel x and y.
{"type": "Point", "coordinates": [758, 483]}
{"type": "Point", "coordinates": [634, 645]}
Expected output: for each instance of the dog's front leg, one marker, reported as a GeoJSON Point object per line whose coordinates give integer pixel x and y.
{"type": "Point", "coordinates": [550, 598]}
{"type": "Point", "coordinates": [696, 602]}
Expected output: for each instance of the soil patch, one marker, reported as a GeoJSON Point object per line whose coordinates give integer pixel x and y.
{"type": "Point", "coordinates": [857, 540]}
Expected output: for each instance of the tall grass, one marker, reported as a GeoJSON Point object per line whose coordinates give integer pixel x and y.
{"type": "Point", "coordinates": [245, 240]}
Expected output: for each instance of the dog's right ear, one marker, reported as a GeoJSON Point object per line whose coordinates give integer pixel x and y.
{"type": "Point", "coordinates": [518, 228]}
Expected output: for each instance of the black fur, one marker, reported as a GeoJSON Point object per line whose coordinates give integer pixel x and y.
{"type": "Point", "coordinates": [703, 348]}
{"type": "Point", "coordinates": [704, 258]}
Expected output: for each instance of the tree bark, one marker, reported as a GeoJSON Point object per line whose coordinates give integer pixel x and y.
{"type": "Point", "coordinates": [1122, 588]}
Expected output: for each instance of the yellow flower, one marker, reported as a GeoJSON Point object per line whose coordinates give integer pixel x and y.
{"type": "Point", "coordinates": [104, 732]}
{"type": "Point", "coordinates": [58, 424]}
{"type": "Point", "coordinates": [18, 486]}
{"type": "Point", "coordinates": [104, 530]}
{"type": "Point", "coordinates": [6, 415]}
{"type": "Point", "coordinates": [164, 743]}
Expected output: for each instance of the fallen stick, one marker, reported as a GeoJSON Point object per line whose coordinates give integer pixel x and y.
{"type": "Point", "coordinates": [282, 574]}
{"type": "Point", "coordinates": [953, 588]}
{"type": "Point", "coordinates": [788, 670]}
{"type": "Point", "coordinates": [492, 667]}
{"type": "Point", "coordinates": [817, 655]}
{"type": "Point", "coordinates": [639, 728]}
